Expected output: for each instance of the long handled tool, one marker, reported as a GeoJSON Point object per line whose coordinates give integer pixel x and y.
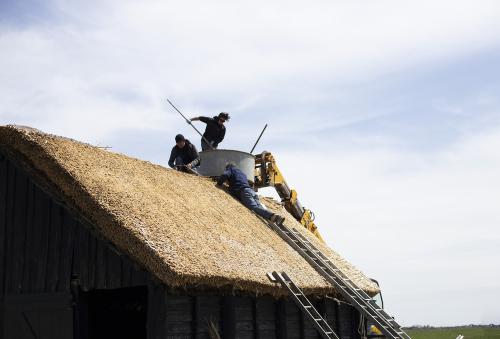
{"type": "Point", "coordinates": [258, 139]}
{"type": "Point", "coordinates": [190, 123]}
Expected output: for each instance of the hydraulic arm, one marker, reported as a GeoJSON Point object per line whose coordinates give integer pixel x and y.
{"type": "Point", "coordinates": [267, 174]}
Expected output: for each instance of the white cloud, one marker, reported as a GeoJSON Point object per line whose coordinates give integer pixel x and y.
{"type": "Point", "coordinates": [204, 54]}
{"type": "Point", "coordinates": [425, 225]}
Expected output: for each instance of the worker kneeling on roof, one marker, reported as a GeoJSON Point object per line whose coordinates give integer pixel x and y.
{"type": "Point", "coordinates": [239, 187]}
{"type": "Point", "coordinates": [183, 155]}
{"type": "Point", "coordinates": [214, 132]}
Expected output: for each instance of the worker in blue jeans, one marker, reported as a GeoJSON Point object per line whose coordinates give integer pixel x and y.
{"type": "Point", "coordinates": [239, 188]}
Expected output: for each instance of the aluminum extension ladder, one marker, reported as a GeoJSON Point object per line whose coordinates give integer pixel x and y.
{"type": "Point", "coordinates": [304, 304]}
{"type": "Point", "coordinates": [343, 285]}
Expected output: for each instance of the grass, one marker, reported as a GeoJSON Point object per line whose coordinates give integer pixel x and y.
{"type": "Point", "coordinates": [452, 333]}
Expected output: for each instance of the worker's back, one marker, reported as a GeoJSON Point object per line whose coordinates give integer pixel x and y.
{"type": "Point", "coordinates": [237, 179]}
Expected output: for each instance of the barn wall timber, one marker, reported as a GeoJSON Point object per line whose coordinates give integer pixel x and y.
{"type": "Point", "coordinates": [44, 246]}
{"type": "Point", "coordinates": [243, 317]}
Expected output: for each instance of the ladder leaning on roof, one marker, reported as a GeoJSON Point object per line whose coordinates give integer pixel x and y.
{"type": "Point", "coordinates": [343, 285]}
{"type": "Point", "coordinates": [304, 304]}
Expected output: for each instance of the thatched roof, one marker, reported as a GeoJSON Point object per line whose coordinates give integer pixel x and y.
{"type": "Point", "coordinates": [180, 227]}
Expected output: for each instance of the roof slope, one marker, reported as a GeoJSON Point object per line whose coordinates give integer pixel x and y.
{"type": "Point", "coordinates": [180, 227]}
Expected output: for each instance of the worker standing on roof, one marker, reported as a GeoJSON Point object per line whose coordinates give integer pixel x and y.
{"type": "Point", "coordinates": [239, 187]}
{"type": "Point", "coordinates": [215, 130]}
{"type": "Point", "coordinates": [183, 154]}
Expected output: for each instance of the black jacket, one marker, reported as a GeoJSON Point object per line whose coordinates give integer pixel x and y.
{"type": "Point", "coordinates": [188, 154]}
{"type": "Point", "coordinates": [213, 132]}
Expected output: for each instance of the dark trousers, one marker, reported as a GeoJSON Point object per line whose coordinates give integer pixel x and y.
{"type": "Point", "coordinates": [205, 146]}
{"type": "Point", "coordinates": [251, 200]}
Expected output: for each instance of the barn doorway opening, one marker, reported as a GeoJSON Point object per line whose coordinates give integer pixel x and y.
{"type": "Point", "coordinates": [118, 313]}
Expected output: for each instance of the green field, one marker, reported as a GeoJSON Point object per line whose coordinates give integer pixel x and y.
{"type": "Point", "coordinates": [452, 333]}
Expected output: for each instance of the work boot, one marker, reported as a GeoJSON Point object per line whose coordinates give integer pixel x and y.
{"type": "Point", "coordinates": [277, 219]}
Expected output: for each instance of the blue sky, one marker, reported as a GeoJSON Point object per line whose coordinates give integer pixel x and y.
{"type": "Point", "coordinates": [384, 115]}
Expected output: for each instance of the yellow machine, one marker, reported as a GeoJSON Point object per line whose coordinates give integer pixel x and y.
{"type": "Point", "coordinates": [268, 174]}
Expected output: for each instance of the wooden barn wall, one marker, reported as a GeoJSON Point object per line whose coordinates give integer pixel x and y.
{"type": "Point", "coordinates": [43, 247]}
{"type": "Point", "coordinates": [245, 317]}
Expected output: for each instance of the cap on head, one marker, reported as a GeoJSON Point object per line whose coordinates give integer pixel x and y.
{"type": "Point", "coordinates": [224, 115]}
{"type": "Point", "coordinates": [179, 137]}
{"type": "Point", "coordinates": [230, 164]}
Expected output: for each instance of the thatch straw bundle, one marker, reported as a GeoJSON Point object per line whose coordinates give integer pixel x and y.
{"type": "Point", "coordinates": [180, 227]}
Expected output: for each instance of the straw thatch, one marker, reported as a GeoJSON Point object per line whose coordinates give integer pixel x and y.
{"type": "Point", "coordinates": [180, 227]}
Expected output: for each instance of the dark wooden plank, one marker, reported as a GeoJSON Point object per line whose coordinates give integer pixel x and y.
{"type": "Point", "coordinates": [255, 320]}
{"type": "Point", "coordinates": [83, 256]}
{"type": "Point", "coordinates": [44, 215]}
{"type": "Point", "coordinates": [9, 205]}
{"type": "Point", "coordinates": [228, 318]}
{"type": "Point", "coordinates": [179, 308]}
{"type": "Point", "coordinates": [355, 316]}
{"type": "Point", "coordinates": [126, 277]}
{"type": "Point", "coordinates": [101, 263]}
{"type": "Point", "coordinates": [20, 211]}
{"type": "Point", "coordinates": [179, 316]}
{"type": "Point", "coordinates": [265, 317]}
{"type": "Point", "coordinates": [11, 231]}
{"type": "Point", "coordinates": [35, 242]}
{"type": "Point", "coordinates": [113, 271]}
{"type": "Point", "coordinates": [281, 329]}
{"type": "Point", "coordinates": [40, 316]}
{"type": "Point", "coordinates": [208, 310]}
{"type": "Point", "coordinates": [30, 257]}
{"type": "Point", "coordinates": [75, 262]}
{"type": "Point", "coordinates": [68, 234]}
{"type": "Point", "coordinates": [139, 277]}
{"type": "Point", "coordinates": [293, 320]}
{"type": "Point", "coordinates": [308, 329]}
{"type": "Point", "coordinates": [156, 322]}
{"type": "Point", "coordinates": [3, 228]}
{"type": "Point", "coordinates": [329, 312]}
{"type": "Point", "coordinates": [243, 312]}
{"type": "Point", "coordinates": [195, 301]}
{"type": "Point", "coordinates": [346, 321]}
{"type": "Point", "coordinates": [54, 250]}
{"type": "Point", "coordinates": [92, 261]}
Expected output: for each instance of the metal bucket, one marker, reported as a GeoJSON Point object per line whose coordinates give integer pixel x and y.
{"type": "Point", "coordinates": [213, 163]}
